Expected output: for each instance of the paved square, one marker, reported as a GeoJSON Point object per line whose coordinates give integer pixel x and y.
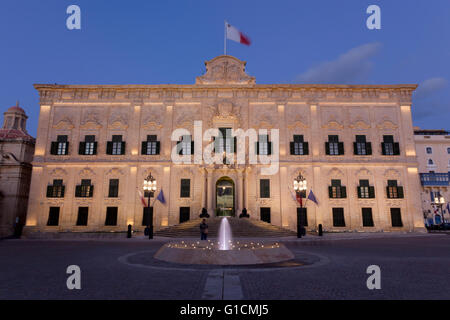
{"type": "Point", "coordinates": [412, 267]}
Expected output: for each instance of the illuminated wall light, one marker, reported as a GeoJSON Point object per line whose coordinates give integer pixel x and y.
{"type": "Point", "coordinates": [405, 108]}
{"type": "Point", "coordinates": [134, 152]}
{"type": "Point", "coordinates": [137, 108]}
{"type": "Point", "coordinates": [39, 152]}
{"type": "Point", "coordinates": [45, 108]}
{"type": "Point", "coordinates": [413, 170]}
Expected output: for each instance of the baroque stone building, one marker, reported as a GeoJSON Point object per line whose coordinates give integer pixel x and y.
{"type": "Point", "coordinates": [433, 154]}
{"type": "Point", "coordinates": [96, 144]}
{"type": "Point", "coordinates": [16, 154]}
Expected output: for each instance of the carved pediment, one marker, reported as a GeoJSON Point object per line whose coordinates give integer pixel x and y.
{"type": "Point", "coordinates": [86, 172]}
{"type": "Point", "coordinates": [119, 122]}
{"type": "Point", "coordinates": [91, 121]}
{"type": "Point", "coordinates": [64, 124]}
{"type": "Point", "coordinates": [335, 172]}
{"type": "Point", "coordinates": [115, 172]}
{"type": "Point", "coordinates": [392, 173]}
{"type": "Point", "coordinates": [333, 124]}
{"type": "Point", "coordinates": [225, 70]}
{"type": "Point", "coordinates": [387, 124]}
{"type": "Point", "coordinates": [360, 124]}
{"type": "Point", "coordinates": [58, 172]}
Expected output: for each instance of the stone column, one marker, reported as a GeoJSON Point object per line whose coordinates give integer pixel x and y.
{"type": "Point", "coordinates": [203, 188]}
{"type": "Point", "coordinates": [210, 192]}
{"type": "Point", "coordinates": [240, 191]}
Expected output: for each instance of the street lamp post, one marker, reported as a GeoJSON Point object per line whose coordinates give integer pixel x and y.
{"type": "Point", "coordinates": [439, 201]}
{"type": "Point", "coordinates": [150, 187]}
{"type": "Point", "coordinates": [300, 187]}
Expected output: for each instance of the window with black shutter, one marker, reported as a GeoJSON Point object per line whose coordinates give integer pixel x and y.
{"type": "Point", "coordinates": [56, 190]}
{"type": "Point", "coordinates": [113, 188]}
{"type": "Point", "coordinates": [225, 142]}
{"type": "Point", "coordinates": [361, 146]}
{"type": "Point", "coordinates": [263, 146]}
{"type": "Point", "coordinates": [299, 147]}
{"type": "Point", "coordinates": [85, 190]}
{"type": "Point", "coordinates": [336, 190]}
{"type": "Point", "coordinates": [60, 146]}
{"type": "Point", "coordinates": [88, 146]}
{"type": "Point", "coordinates": [333, 147]}
{"type": "Point", "coordinates": [389, 147]}
{"type": "Point", "coordinates": [264, 188]}
{"type": "Point", "coordinates": [82, 219]}
{"type": "Point", "coordinates": [185, 146]}
{"type": "Point", "coordinates": [396, 217]}
{"type": "Point", "coordinates": [111, 216]}
{"type": "Point", "coordinates": [338, 217]}
{"type": "Point", "coordinates": [365, 191]}
{"type": "Point", "coordinates": [53, 216]}
{"type": "Point", "coordinates": [185, 188]}
{"type": "Point", "coordinates": [393, 190]}
{"type": "Point", "coordinates": [367, 217]}
{"type": "Point", "coordinates": [151, 146]}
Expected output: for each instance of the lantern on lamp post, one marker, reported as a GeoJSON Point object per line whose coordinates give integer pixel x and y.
{"type": "Point", "coordinates": [150, 188]}
{"type": "Point", "coordinates": [300, 188]}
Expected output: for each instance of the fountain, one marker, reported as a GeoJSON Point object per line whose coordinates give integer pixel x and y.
{"type": "Point", "coordinates": [224, 251]}
{"type": "Point", "coordinates": [225, 237]}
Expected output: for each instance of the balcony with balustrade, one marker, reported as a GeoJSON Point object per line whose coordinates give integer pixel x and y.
{"type": "Point", "coordinates": [435, 179]}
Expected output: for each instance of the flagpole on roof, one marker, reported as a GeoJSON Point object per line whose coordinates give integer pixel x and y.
{"type": "Point", "coordinates": [225, 39]}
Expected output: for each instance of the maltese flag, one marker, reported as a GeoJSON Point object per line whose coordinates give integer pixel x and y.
{"type": "Point", "coordinates": [236, 35]}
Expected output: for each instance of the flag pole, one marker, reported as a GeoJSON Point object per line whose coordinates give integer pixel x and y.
{"type": "Point", "coordinates": [225, 39]}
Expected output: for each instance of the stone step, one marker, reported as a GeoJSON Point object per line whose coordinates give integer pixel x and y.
{"type": "Point", "coordinates": [240, 228]}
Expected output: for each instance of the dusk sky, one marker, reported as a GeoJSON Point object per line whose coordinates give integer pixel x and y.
{"type": "Point", "coordinates": [159, 42]}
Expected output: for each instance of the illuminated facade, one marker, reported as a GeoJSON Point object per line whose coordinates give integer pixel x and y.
{"type": "Point", "coordinates": [96, 144]}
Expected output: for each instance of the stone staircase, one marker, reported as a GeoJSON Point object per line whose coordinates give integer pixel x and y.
{"type": "Point", "coordinates": [240, 228]}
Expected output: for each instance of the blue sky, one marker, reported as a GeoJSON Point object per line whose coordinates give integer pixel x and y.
{"type": "Point", "coordinates": [166, 41]}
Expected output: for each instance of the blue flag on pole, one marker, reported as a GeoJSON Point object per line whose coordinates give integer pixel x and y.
{"type": "Point", "coordinates": [161, 198]}
{"type": "Point", "coordinates": [312, 197]}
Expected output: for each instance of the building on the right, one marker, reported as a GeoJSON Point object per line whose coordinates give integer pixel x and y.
{"type": "Point", "coordinates": [433, 155]}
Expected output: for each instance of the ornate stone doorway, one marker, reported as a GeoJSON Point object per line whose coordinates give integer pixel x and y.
{"type": "Point", "coordinates": [225, 194]}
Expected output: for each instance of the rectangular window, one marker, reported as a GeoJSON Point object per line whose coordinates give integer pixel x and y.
{"type": "Point", "coordinates": [185, 146]}
{"type": "Point", "coordinates": [263, 146]}
{"type": "Point", "coordinates": [338, 217]}
{"type": "Point", "coordinates": [88, 146]}
{"type": "Point", "coordinates": [303, 216]}
{"type": "Point", "coordinates": [53, 216]}
{"type": "Point", "coordinates": [299, 147]}
{"type": "Point", "coordinates": [367, 217]}
{"type": "Point", "coordinates": [389, 147]}
{"type": "Point", "coordinates": [361, 146]}
{"type": "Point", "coordinates": [151, 146]}
{"type": "Point", "coordinates": [111, 216]}
{"type": "Point", "coordinates": [185, 188]}
{"type": "Point", "coordinates": [85, 190]}
{"type": "Point", "coordinates": [116, 145]}
{"type": "Point", "coordinates": [396, 217]}
{"type": "Point", "coordinates": [336, 191]}
{"type": "Point", "coordinates": [185, 214]}
{"type": "Point", "coordinates": [264, 188]}
{"type": "Point", "coordinates": [147, 216]}
{"type": "Point", "coordinates": [393, 190]}
{"type": "Point", "coordinates": [56, 190]}
{"type": "Point", "coordinates": [113, 188]}
{"type": "Point", "coordinates": [60, 146]}
{"type": "Point", "coordinates": [365, 191]}
{"type": "Point", "coordinates": [333, 147]}
{"type": "Point", "coordinates": [82, 219]}
{"type": "Point", "coordinates": [265, 214]}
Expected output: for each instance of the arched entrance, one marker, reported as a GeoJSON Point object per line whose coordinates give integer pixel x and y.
{"type": "Point", "coordinates": [225, 192]}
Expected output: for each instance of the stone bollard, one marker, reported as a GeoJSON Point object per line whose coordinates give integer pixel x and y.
{"type": "Point", "coordinates": [129, 231]}
{"type": "Point", "coordinates": [320, 230]}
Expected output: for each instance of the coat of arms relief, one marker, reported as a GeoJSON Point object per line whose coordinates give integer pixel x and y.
{"type": "Point", "coordinates": [225, 70]}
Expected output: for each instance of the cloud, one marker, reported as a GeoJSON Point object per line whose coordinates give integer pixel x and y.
{"type": "Point", "coordinates": [428, 99]}
{"type": "Point", "coordinates": [429, 87]}
{"type": "Point", "coordinates": [348, 67]}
